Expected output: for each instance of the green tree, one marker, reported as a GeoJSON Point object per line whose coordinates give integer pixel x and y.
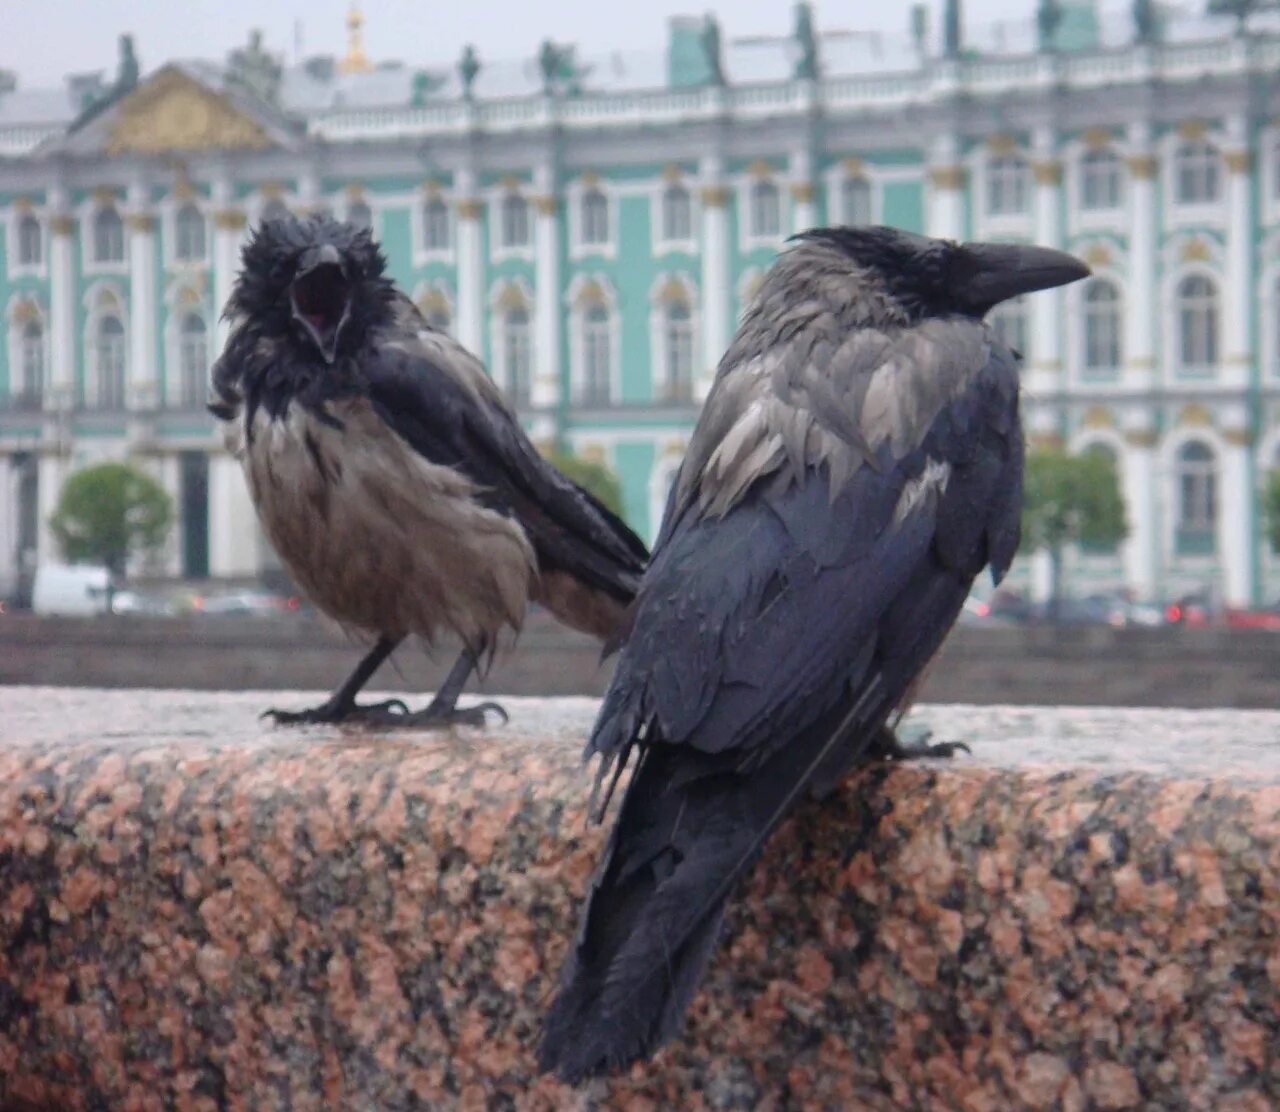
{"type": "Point", "coordinates": [1271, 508]}
{"type": "Point", "coordinates": [108, 512]}
{"type": "Point", "coordinates": [1070, 500]}
{"type": "Point", "coordinates": [596, 478]}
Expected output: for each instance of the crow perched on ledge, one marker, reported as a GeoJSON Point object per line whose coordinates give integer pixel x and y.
{"type": "Point", "coordinates": [857, 464]}
{"type": "Point", "coordinates": [391, 476]}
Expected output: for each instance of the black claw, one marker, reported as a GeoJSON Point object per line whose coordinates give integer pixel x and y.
{"type": "Point", "coordinates": [387, 713]}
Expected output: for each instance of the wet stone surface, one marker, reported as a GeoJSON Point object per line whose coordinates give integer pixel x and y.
{"type": "Point", "coordinates": [197, 911]}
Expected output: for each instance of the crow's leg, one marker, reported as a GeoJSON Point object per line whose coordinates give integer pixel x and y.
{"type": "Point", "coordinates": [443, 710]}
{"type": "Point", "coordinates": [341, 706]}
{"type": "Point", "coordinates": [887, 746]}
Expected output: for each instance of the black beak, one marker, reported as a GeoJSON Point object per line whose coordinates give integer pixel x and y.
{"type": "Point", "coordinates": [999, 271]}
{"type": "Point", "coordinates": [321, 298]}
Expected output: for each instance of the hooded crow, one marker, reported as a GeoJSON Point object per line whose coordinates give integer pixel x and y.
{"type": "Point", "coordinates": [391, 476]}
{"type": "Point", "coordinates": [857, 464]}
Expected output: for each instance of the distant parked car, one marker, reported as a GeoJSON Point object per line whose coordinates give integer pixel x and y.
{"type": "Point", "coordinates": [250, 603]}
{"type": "Point", "coordinates": [148, 606]}
{"type": "Point", "coordinates": [1198, 611]}
{"type": "Point", "coordinates": [76, 590]}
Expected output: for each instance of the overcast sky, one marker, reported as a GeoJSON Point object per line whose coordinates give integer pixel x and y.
{"type": "Point", "coordinates": [43, 40]}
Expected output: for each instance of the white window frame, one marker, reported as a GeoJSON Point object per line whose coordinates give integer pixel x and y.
{"type": "Point", "coordinates": [88, 236]}
{"type": "Point", "coordinates": [1013, 170]}
{"type": "Point", "coordinates": [660, 352]}
{"type": "Point", "coordinates": [17, 268]}
{"type": "Point", "coordinates": [420, 294]}
{"type": "Point", "coordinates": [15, 331]}
{"type": "Point", "coordinates": [1194, 371]}
{"type": "Point", "coordinates": [1205, 159]}
{"type": "Point", "coordinates": [662, 244]}
{"type": "Point", "coordinates": [499, 293]}
{"type": "Point", "coordinates": [578, 309]}
{"type": "Point", "coordinates": [1199, 214]}
{"type": "Point", "coordinates": [749, 239]}
{"type": "Point", "coordinates": [96, 308]}
{"type": "Point", "coordinates": [172, 221]}
{"type": "Point", "coordinates": [574, 198]}
{"type": "Point", "coordinates": [499, 249]}
{"type": "Point", "coordinates": [418, 229]}
{"type": "Point", "coordinates": [1089, 159]}
{"type": "Point", "coordinates": [96, 403]}
{"type": "Point", "coordinates": [1115, 370]}
{"type": "Point", "coordinates": [1211, 467]}
{"type": "Point", "coordinates": [357, 202]}
{"type": "Point", "coordinates": [200, 387]}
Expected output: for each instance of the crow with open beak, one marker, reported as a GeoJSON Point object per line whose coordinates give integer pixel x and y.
{"type": "Point", "coordinates": [391, 476]}
{"type": "Point", "coordinates": [857, 464]}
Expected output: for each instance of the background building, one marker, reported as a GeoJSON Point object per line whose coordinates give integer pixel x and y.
{"type": "Point", "coordinates": [592, 229]}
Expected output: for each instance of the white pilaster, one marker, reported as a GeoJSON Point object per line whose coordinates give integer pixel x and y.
{"type": "Point", "coordinates": [715, 272]}
{"type": "Point", "coordinates": [803, 210]}
{"type": "Point", "coordinates": [62, 304]}
{"type": "Point", "coordinates": [1235, 519]}
{"type": "Point", "coordinates": [144, 371]}
{"type": "Point", "coordinates": [1238, 289]}
{"type": "Point", "coordinates": [1044, 376]}
{"type": "Point", "coordinates": [1141, 549]}
{"type": "Point", "coordinates": [545, 389]}
{"type": "Point", "coordinates": [308, 188]}
{"type": "Point", "coordinates": [945, 196]}
{"type": "Point", "coordinates": [470, 263]}
{"type": "Point", "coordinates": [8, 525]}
{"type": "Point", "coordinates": [229, 225]}
{"type": "Point", "coordinates": [233, 533]}
{"type": "Point", "coordinates": [1140, 313]}
{"type": "Point", "coordinates": [53, 470]}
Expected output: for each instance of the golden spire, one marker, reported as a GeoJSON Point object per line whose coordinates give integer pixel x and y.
{"type": "Point", "coordinates": [355, 61]}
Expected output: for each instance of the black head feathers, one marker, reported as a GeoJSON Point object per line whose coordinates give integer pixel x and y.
{"type": "Point", "coordinates": [936, 276]}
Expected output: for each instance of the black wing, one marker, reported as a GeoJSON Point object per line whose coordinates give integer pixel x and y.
{"type": "Point", "coordinates": [769, 645]}
{"type": "Point", "coordinates": [431, 392]}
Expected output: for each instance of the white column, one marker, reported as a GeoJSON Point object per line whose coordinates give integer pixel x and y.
{"type": "Point", "coordinates": [1044, 376]}
{"type": "Point", "coordinates": [944, 216]}
{"type": "Point", "coordinates": [545, 389]}
{"type": "Point", "coordinates": [229, 225]}
{"type": "Point", "coordinates": [715, 272]}
{"type": "Point", "coordinates": [1141, 549]}
{"type": "Point", "coordinates": [1235, 516]}
{"type": "Point", "coordinates": [53, 469]}
{"type": "Point", "coordinates": [470, 263]}
{"type": "Point", "coordinates": [1238, 288]}
{"type": "Point", "coordinates": [144, 371]}
{"type": "Point", "coordinates": [233, 532]}
{"type": "Point", "coordinates": [62, 306]}
{"type": "Point", "coordinates": [8, 525]}
{"type": "Point", "coordinates": [803, 210]}
{"type": "Point", "coordinates": [1140, 312]}
{"type": "Point", "coordinates": [308, 189]}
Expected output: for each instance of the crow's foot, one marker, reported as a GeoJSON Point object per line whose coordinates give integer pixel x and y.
{"type": "Point", "coordinates": [442, 717]}
{"type": "Point", "coordinates": [393, 712]}
{"type": "Point", "coordinates": [892, 748]}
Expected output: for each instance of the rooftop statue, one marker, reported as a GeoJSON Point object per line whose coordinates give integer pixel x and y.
{"type": "Point", "coordinates": [712, 50]}
{"type": "Point", "coordinates": [806, 68]}
{"type": "Point", "coordinates": [468, 68]}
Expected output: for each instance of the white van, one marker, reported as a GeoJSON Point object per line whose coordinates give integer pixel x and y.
{"type": "Point", "coordinates": [77, 590]}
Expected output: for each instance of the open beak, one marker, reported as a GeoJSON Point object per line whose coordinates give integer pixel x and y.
{"type": "Point", "coordinates": [1004, 270]}
{"type": "Point", "coordinates": [321, 298]}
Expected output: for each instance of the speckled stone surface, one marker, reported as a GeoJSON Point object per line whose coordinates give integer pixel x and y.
{"type": "Point", "coordinates": [200, 913]}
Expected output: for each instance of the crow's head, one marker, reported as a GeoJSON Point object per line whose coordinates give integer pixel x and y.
{"type": "Point", "coordinates": [930, 277]}
{"type": "Point", "coordinates": [313, 281]}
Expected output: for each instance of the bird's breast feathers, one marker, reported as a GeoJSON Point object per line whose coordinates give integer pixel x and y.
{"type": "Point", "coordinates": [379, 537]}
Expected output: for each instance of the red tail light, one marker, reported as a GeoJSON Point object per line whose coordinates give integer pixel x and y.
{"type": "Point", "coordinates": [1174, 613]}
{"type": "Point", "coordinates": [293, 604]}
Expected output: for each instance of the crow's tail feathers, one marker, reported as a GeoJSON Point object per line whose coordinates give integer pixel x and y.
{"type": "Point", "coordinates": [688, 829]}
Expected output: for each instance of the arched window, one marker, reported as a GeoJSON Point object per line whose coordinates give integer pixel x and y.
{"type": "Point", "coordinates": [1100, 181]}
{"type": "Point", "coordinates": [515, 221]}
{"type": "Point", "coordinates": [435, 225]}
{"type": "Point", "coordinates": [1008, 191]}
{"type": "Point", "coordinates": [677, 214]}
{"type": "Point", "coordinates": [1009, 322]}
{"type": "Point", "coordinates": [766, 210]}
{"type": "Point", "coordinates": [30, 387]}
{"type": "Point", "coordinates": [1197, 472]}
{"type": "Point", "coordinates": [30, 241]}
{"type": "Point", "coordinates": [193, 360]}
{"type": "Point", "coordinates": [110, 353]}
{"type": "Point", "coordinates": [274, 209]}
{"type": "Point", "coordinates": [108, 236]}
{"type": "Point", "coordinates": [189, 234]}
{"type": "Point", "coordinates": [360, 214]}
{"type": "Point", "coordinates": [855, 200]}
{"type": "Point", "coordinates": [1101, 326]}
{"type": "Point", "coordinates": [1197, 323]}
{"type": "Point", "coordinates": [1197, 178]}
{"type": "Point", "coordinates": [677, 340]}
{"type": "Point", "coordinates": [595, 217]}
{"type": "Point", "coordinates": [517, 355]}
{"type": "Point", "coordinates": [597, 348]}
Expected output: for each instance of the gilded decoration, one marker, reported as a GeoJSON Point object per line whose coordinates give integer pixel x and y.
{"type": "Point", "coordinates": [1097, 255]}
{"type": "Point", "coordinates": [802, 192]}
{"type": "Point", "coordinates": [1141, 166]}
{"type": "Point", "coordinates": [62, 225]}
{"type": "Point", "coordinates": [1002, 145]}
{"type": "Point", "coordinates": [1193, 130]}
{"type": "Point", "coordinates": [1141, 438]}
{"type": "Point", "coordinates": [1098, 417]}
{"type": "Point", "coordinates": [1097, 139]}
{"type": "Point", "coordinates": [1196, 251]}
{"type": "Point", "coordinates": [1047, 173]}
{"type": "Point", "coordinates": [853, 168]}
{"type": "Point", "coordinates": [947, 177]}
{"type": "Point", "coordinates": [1195, 416]}
{"type": "Point", "coordinates": [173, 112]}
{"type": "Point", "coordinates": [673, 293]}
{"type": "Point", "coordinates": [672, 174]}
{"type": "Point", "coordinates": [1238, 162]}
{"type": "Point", "coordinates": [1238, 438]}
{"type": "Point", "coordinates": [140, 222]}
{"type": "Point", "coordinates": [229, 220]}
{"type": "Point", "coordinates": [469, 208]}
{"type": "Point", "coordinates": [715, 196]}
{"type": "Point", "coordinates": [545, 206]}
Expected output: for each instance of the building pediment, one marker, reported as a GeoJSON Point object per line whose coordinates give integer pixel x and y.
{"type": "Point", "coordinates": [175, 113]}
